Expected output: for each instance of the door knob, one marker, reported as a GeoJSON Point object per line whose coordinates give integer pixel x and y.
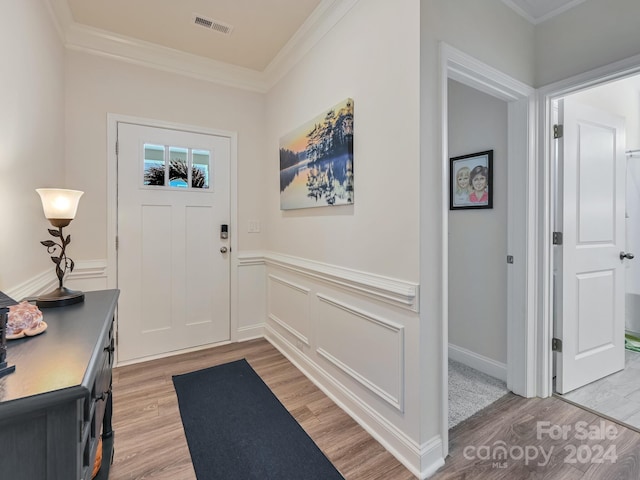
{"type": "Point", "coordinates": [626, 255]}
{"type": "Point", "coordinates": [223, 249]}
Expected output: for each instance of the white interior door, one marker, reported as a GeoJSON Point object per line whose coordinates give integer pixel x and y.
{"type": "Point", "coordinates": [590, 288]}
{"type": "Point", "coordinates": [173, 198]}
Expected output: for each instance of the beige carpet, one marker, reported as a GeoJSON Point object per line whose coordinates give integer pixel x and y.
{"type": "Point", "coordinates": [470, 391]}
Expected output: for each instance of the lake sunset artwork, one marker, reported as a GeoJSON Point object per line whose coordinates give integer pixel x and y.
{"type": "Point", "coordinates": [316, 161]}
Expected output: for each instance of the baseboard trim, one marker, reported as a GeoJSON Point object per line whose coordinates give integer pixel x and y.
{"type": "Point", "coordinates": [168, 354]}
{"type": "Point", "coordinates": [250, 332]}
{"type": "Point", "coordinates": [479, 362]}
{"type": "Point", "coordinates": [431, 456]}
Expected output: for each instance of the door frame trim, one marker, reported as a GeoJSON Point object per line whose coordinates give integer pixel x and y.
{"type": "Point", "coordinates": [547, 95]}
{"type": "Point", "coordinates": [521, 100]}
{"type": "Point", "coordinates": [112, 201]}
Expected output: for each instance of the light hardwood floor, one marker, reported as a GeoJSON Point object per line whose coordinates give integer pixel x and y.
{"type": "Point", "coordinates": [150, 441]}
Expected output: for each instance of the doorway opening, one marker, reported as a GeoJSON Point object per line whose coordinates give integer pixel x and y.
{"type": "Point", "coordinates": [521, 242]}
{"type": "Point", "coordinates": [478, 145]}
{"type": "Point", "coordinates": [610, 387]}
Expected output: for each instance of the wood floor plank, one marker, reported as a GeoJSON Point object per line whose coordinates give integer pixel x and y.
{"type": "Point", "coordinates": [150, 440]}
{"type": "Point", "coordinates": [514, 421]}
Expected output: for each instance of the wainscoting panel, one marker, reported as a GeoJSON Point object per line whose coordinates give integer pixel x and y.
{"type": "Point", "coordinates": [251, 298]}
{"type": "Point", "coordinates": [355, 335]}
{"type": "Point", "coordinates": [289, 307]}
{"type": "Point", "coordinates": [376, 361]}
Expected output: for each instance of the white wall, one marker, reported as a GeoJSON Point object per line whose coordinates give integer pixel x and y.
{"type": "Point", "coordinates": [487, 30]}
{"type": "Point", "coordinates": [96, 86]}
{"type": "Point", "coordinates": [497, 36]}
{"type": "Point", "coordinates": [32, 145]}
{"type": "Point", "coordinates": [478, 238]}
{"type": "Point", "coordinates": [360, 347]}
{"type": "Point", "coordinates": [374, 62]}
{"type": "Point", "coordinates": [593, 34]}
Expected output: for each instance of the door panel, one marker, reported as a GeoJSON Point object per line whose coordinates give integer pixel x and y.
{"type": "Point", "coordinates": [173, 195]}
{"type": "Point", "coordinates": [590, 315]}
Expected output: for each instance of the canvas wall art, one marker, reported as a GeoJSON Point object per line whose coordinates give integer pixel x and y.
{"type": "Point", "coordinates": [316, 161]}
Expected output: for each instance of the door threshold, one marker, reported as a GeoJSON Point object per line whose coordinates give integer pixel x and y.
{"type": "Point", "coordinates": [596, 412]}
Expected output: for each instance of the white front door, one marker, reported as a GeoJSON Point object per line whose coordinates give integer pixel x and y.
{"type": "Point", "coordinates": [173, 199]}
{"type": "Point", "coordinates": [590, 284]}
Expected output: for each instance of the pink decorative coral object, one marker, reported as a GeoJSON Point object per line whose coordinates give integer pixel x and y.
{"type": "Point", "coordinates": [23, 318]}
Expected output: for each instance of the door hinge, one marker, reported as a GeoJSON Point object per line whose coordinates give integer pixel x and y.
{"type": "Point", "coordinates": [557, 238]}
{"type": "Point", "coordinates": [117, 147]}
{"type": "Point", "coordinates": [556, 345]}
{"type": "Point", "coordinates": [117, 242]}
{"type": "Point", "coordinates": [558, 131]}
{"type": "Point", "coordinates": [509, 258]}
{"type": "Point", "coordinates": [116, 337]}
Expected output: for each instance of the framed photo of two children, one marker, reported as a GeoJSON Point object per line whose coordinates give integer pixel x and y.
{"type": "Point", "coordinates": [471, 178]}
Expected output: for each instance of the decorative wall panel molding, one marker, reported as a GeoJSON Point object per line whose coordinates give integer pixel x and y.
{"type": "Point", "coordinates": [289, 306]}
{"type": "Point", "coordinates": [379, 364]}
{"type": "Point", "coordinates": [250, 298]}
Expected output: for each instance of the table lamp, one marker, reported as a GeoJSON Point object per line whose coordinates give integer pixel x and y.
{"type": "Point", "coordinates": [60, 207]}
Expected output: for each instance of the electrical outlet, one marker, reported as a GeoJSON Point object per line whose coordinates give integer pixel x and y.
{"type": "Point", "coordinates": [254, 226]}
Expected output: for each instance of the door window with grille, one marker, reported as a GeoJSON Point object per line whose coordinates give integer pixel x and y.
{"type": "Point", "coordinates": [176, 167]}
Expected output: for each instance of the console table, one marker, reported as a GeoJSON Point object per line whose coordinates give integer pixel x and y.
{"type": "Point", "coordinates": [57, 403]}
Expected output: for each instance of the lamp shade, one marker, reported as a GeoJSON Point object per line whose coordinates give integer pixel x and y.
{"type": "Point", "coordinates": [59, 203]}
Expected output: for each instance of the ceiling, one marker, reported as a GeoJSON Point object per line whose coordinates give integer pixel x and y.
{"type": "Point", "coordinates": [259, 29]}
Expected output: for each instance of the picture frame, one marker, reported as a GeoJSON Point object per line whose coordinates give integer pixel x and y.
{"type": "Point", "coordinates": [464, 194]}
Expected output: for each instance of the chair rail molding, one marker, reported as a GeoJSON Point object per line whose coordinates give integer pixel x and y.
{"type": "Point", "coordinates": [389, 290]}
{"type": "Point", "coordinates": [45, 281]}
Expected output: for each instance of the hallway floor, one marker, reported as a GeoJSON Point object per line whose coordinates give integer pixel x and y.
{"type": "Point", "coordinates": [616, 396]}
{"type": "Point", "coordinates": [470, 391]}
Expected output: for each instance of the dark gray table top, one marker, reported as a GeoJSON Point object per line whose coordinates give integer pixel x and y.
{"type": "Point", "coordinates": [57, 360]}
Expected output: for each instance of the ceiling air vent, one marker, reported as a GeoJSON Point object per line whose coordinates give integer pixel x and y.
{"type": "Point", "coordinates": [210, 24]}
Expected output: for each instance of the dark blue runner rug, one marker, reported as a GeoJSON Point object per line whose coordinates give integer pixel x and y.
{"type": "Point", "coordinates": [238, 430]}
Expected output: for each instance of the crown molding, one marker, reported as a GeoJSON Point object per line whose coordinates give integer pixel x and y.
{"type": "Point", "coordinates": [543, 18]}
{"type": "Point", "coordinates": [99, 42]}
{"type": "Point", "coordinates": [326, 15]}
{"type": "Point", "coordinates": [61, 16]}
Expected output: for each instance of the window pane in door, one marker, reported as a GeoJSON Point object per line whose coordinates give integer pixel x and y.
{"type": "Point", "coordinates": [178, 167]}
{"type": "Point", "coordinates": [154, 164]}
{"type": "Point", "coordinates": [200, 170]}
